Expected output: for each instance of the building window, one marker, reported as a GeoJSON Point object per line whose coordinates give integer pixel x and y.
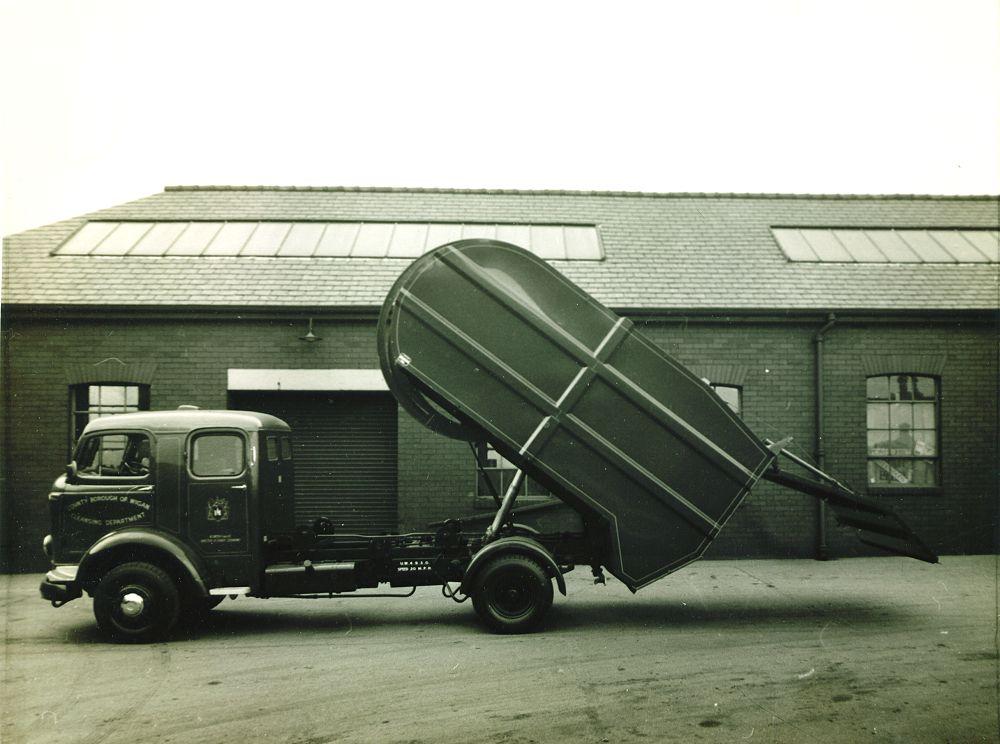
{"type": "Point", "coordinates": [903, 446]}
{"type": "Point", "coordinates": [731, 394]}
{"type": "Point", "coordinates": [94, 401]}
{"type": "Point", "coordinates": [499, 472]}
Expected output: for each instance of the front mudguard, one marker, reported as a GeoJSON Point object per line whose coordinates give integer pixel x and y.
{"type": "Point", "coordinates": [143, 544]}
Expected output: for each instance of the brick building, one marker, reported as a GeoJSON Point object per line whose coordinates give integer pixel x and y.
{"type": "Point", "coordinates": [873, 315]}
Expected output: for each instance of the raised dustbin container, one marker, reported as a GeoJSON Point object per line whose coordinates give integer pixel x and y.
{"type": "Point", "coordinates": [481, 339]}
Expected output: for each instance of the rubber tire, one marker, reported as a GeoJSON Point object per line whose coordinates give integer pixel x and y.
{"type": "Point", "coordinates": [158, 589]}
{"type": "Point", "coordinates": [512, 594]}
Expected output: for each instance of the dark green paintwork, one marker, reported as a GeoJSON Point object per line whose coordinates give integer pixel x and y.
{"type": "Point", "coordinates": [480, 338]}
{"type": "Point", "coordinates": [173, 503]}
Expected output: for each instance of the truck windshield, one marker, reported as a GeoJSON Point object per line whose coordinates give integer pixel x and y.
{"type": "Point", "coordinates": [114, 455]}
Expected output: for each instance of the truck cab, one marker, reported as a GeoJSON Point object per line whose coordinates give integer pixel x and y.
{"type": "Point", "coordinates": [190, 493]}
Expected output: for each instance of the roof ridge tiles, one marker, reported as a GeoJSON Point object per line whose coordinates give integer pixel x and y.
{"type": "Point", "coordinates": [572, 192]}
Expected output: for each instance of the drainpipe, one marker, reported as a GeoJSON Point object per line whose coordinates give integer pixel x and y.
{"type": "Point", "coordinates": [822, 552]}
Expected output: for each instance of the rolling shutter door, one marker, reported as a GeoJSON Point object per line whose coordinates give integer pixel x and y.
{"type": "Point", "coordinates": [344, 453]}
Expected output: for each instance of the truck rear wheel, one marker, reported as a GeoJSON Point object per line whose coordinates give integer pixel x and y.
{"type": "Point", "coordinates": [512, 594]}
{"type": "Point", "coordinates": [136, 603]}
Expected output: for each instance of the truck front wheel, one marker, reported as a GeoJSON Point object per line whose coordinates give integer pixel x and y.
{"type": "Point", "coordinates": [136, 603]}
{"type": "Point", "coordinates": [512, 594]}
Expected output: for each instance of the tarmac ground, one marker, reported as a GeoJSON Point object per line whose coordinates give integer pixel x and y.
{"type": "Point", "coordinates": [851, 650]}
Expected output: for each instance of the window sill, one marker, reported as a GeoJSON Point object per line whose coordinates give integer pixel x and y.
{"type": "Point", "coordinates": [905, 491]}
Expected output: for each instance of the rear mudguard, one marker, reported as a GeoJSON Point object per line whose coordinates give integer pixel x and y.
{"type": "Point", "coordinates": [515, 545]}
{"type": "Point", "coordinates": [142, 543]}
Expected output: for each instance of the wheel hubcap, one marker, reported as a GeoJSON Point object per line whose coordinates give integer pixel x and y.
{"type": "Point", "coordinates": [132, 604]}
{"type": "Point", "coordinates": [512, 598]}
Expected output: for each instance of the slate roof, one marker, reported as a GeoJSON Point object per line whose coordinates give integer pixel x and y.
{"type": "Point", "coordinates": [662, 251]}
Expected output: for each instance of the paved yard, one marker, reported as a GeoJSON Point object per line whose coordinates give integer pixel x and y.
{"type": "Point", "coordinates": [880, 649]}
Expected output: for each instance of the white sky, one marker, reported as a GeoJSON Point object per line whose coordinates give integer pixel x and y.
{"type": "Point", "coordinates": [104, 102]}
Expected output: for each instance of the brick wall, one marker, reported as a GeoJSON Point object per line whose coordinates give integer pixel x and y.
{"type": "Point", "coordinates": [436, 476]}
{"type": "Point", "coordinates": [962, 518]}
{"type": "Point", "coordinates": [773, 362]}
{"type": "Point", "coordinates": [190, 360]}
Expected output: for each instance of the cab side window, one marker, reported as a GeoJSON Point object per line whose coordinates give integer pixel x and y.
{"type": "Point", "coordinates": [278, 448]}
{"type": "Point", "coordinates": [272, 449]}
{"type": "Point", "coordinates": [114, 455]}
{"type": "Point", "coordinates": [217, 454]}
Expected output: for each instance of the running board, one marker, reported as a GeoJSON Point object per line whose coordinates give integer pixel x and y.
{"type": "Point", "coordinates": [879, 527]}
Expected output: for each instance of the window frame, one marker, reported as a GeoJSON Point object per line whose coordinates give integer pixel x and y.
{"type": "Point", "coordinates": [248, 454]}
{"type": "Point", "coordinates": [272, 447]}
{"type": "Point", "coordinates": [937, 459]}
{"type": "Point", "coordinates": [107, 478]}
{"type": "Point", "coordinates": [729, 386]}
{"type": "Point", "coordinates": [78, 413]}
{"type": "Point", "coordinates": [485, 500]}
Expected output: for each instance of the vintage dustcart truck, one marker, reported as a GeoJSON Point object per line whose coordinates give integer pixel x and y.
{"type": "Point", "coordinates": [163, 514]}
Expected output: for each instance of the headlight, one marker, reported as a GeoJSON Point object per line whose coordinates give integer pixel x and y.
{"type": "Point", "coordinates": [47, 546]}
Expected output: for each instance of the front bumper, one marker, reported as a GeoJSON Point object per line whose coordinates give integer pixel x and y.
{"type": "Point", "coordinates": [59, 586]}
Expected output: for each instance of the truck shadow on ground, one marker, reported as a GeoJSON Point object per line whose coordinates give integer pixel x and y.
{"type": "Point", "coordinates": [259, 618]}
{"type": "Point", "coordinates": [778, 615]}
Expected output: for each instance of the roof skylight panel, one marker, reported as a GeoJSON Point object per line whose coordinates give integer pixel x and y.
{"type": "Point", "coordinates": [373, 240]}
{"type": "Point", "coordinates": [547, 241]}
{"type": "Point", "coordinates": [859, 246]}
{"type": "Point", "coordinates": [84, 240]}
{"type": "Point", "coordinates": [794, 245]}
{"type": "Point", "coordinates": [515, 234]}
{"type": "Point", "coordinates": [120, 240]}
{"type": "Point", "coordinates": [880, 245]}
{"type": "Point", "coordinates": [195, 239]}
{"type": "Point", "coordinates": [489, 232]}
{"type": "Point", "coordinates": [266, 239]}
{"type": "Point", "coordinates": [582, 243]}
{"type": "Point", "coordinates": [929, 250]}
{"type": "Point", "coordinates": [960, 249]}
{"type": "Point", "coordinates": [892, 246]}
{"type": "Point", "coordinates": [987, 241]}
{"type": "Point", "coordinates": [826, 245]}
{"type": "Point", "coordinates": [441, 233]}
{"type": "Point", "coordinates": [337, 239]}
{"type": "Point", "coordinates": [321, 239]}
{"type": "Point", "coordinates": [302, 239]}
{"type": "Point", "coordinates": [229, 241]}
{"type": "Point", "coordinates": [158, 239]}
{"type": "Point", "coordinates": [409, 240]}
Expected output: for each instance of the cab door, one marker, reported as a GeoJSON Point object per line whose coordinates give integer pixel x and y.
{"type": "Point", "coordinates": [110, 488]}
{"type": "Point", "coordinates": [219, 471]}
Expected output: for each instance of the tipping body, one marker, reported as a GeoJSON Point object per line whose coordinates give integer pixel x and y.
{"type": "Point", "coordinates": [481, 339]}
